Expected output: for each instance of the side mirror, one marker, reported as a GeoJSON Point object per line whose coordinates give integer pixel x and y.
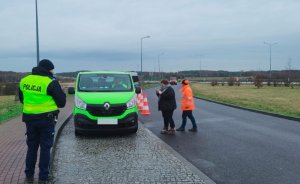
{"type": "Point", "coordinates": [138, 90]}
{"type": "Point", "coordinates": [71, 90]}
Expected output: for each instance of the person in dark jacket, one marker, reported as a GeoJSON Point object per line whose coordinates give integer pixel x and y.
{"type": "Point", "coordinates": [41, 96]}
{"type": "Point", "coordinates": [167, 105]}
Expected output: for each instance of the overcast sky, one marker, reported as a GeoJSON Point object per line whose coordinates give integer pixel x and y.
{"type": "Point", "coordinates": [106, 34]}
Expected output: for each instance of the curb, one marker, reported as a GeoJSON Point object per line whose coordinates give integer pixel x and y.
{"type": "Point", "coordinates": [56, 136]}
{"type": "Point", "coordinates": [252, 110]}
{"type": "Point", "coordinates": [194, 169]}
{"type": "Point", "coordinates": [60, 129]}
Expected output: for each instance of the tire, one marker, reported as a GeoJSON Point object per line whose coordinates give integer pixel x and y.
{"type": "Point", "coordinates": [77, 134]}
{"type": "Point", "coordinates": [133, 131]}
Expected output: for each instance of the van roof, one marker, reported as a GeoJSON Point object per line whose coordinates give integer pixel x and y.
{"type": "Point", "coordinates": [133, 73]}
{"type": "Point", "coordinates": [104, 72]}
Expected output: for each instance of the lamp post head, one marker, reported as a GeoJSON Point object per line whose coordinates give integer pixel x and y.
{"type": "Point", "coordinates": [270, 44]}
{"type": "Point", "coordinates": [146, 37]}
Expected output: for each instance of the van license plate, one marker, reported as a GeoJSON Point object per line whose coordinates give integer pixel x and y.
{"type": "Point", "coordinates": [107, 121]}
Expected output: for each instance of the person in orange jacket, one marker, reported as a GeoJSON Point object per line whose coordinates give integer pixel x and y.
{"type": "Point", "coordinates": [187, 106]}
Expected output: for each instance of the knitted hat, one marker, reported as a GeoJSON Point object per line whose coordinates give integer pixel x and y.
{"type": "Point", "coordinates": [185, 81]}
{"type": "Point", "coordinates": [47, 64]}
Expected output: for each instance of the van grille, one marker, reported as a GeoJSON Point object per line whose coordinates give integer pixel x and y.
{"type": "Point", "coordinates": [99, 110]}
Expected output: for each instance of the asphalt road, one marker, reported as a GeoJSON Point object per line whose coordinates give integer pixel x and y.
{"type": "Point", "coordinates": [234, 146]}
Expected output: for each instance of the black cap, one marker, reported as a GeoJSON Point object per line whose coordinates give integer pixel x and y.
{"type": "Point", "coordinates": [47, 64]}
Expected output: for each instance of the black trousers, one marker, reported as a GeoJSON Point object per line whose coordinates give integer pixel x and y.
{"type": "Point", "coordinates": [40, 134]}
{"type": "Point", "coordinates": [168, 119]}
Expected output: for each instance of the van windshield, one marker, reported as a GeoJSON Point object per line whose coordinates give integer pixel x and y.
{"type": "Point", "coordinates": [104, 82]}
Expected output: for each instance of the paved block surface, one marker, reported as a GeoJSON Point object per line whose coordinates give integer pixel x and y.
{"type": "Point", "coordinates": [133, 158]}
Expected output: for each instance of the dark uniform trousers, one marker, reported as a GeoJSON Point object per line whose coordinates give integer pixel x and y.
{"type": "Point", "coordinates": [40, 133]}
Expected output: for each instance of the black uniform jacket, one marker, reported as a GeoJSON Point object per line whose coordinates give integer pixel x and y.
{"type": "Point", "coordinates": [54, 90]}
{"type": "Point", "coordinates": [167, 101]}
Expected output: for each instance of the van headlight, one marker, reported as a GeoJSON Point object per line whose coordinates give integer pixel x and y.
{"type": "Point", "coordinates": [132, 102]}
{"type": "Point", "coordinates": [80, 104]}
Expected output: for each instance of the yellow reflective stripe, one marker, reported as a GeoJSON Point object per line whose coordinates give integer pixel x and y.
{"type": "Point", "coordinates": [38, 108]}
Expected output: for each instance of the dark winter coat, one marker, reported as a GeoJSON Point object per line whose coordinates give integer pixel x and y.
{"type": "Point", "coordinates": [54, 90]}
{"type": "Point", "coordinates": [167, 100]}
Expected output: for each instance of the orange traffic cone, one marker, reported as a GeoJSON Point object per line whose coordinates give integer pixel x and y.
{"type": "Point", "coordinates": [140, 102]}
{"type": "Point", "coordinates": [146, 110]}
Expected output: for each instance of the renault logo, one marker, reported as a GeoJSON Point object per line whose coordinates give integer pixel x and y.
{"type": "Point", "coordinates": [106, 106]}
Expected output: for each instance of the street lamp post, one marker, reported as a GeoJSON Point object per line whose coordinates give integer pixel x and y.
{"type": "Point", "coordinates": [142, 52]}
{"type": "Point", "coordinates": [200, 65]}
{"type": "Point", "coordinates": [158, 59]}
{"type": "Point", "coordinates": [270, 47]}
{"type": "Point", "coordinates": [37, 33]}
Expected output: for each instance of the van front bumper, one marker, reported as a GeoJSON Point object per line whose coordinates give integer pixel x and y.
{"type": "Point", "coordinates": [85, 125]}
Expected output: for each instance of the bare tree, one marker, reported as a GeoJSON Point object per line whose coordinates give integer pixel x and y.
{"type": "Point", "coordinates": [214, 83]}
{"type": "Point", "coordinates": [258, 81]}
{"type": "Point", "coordinates": [289, 68]}
{"type": "Point", "coordinates": [288, 81]}
{"type": "Point", "coordinates": [231, 81]}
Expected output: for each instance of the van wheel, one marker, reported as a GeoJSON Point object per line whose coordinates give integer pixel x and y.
{"type": "Point", "coordinates": [135, 130]}
{"type": "Point", "coordinates": [77, 133]}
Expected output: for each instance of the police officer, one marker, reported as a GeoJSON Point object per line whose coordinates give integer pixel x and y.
{"type": "Point", "coordinates": [41, 96]}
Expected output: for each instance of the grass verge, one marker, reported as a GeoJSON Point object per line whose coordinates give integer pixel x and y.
{"type": "Point", "coordinates": [9, 108]}
{"type": "Point", "coordinates": [279, 100]}
{"type": "Point", "coordinates": [150, 85]}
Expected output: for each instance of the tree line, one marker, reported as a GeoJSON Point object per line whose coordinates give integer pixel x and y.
{"type": "Point", "coordinates": [276, 74]}
{"type": "Point", "coordinates": [9, 81]}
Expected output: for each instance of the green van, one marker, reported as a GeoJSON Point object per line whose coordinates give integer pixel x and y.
{"type": "Point", "coordinates": [105, 102]}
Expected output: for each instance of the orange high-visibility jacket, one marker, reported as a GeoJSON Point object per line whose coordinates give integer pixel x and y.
{"type": "Point", "coordinates": [187, 100]}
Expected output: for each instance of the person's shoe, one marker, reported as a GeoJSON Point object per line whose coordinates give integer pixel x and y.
{"type": "Point", "coordinates": [163, 131]}
{"type": "Point", "coordinates": [180, 129]}
{"type": "Point", "coordinates": [193, 130]}
{"type": "Point", "coordinates": [171, 131]}
{"type": "Point", "coordinates": [43, 182]}
{"type": "Point", "coordinates": [29, 179]}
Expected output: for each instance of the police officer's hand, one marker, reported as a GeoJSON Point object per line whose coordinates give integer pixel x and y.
{"type": "Point", "coordinates": [55, 120]}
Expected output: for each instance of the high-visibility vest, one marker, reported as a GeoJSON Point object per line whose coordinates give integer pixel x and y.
{"type": "Point", "coordinates": [187, 100]}
{"type": "Point", "coordinates": [35, 98]}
